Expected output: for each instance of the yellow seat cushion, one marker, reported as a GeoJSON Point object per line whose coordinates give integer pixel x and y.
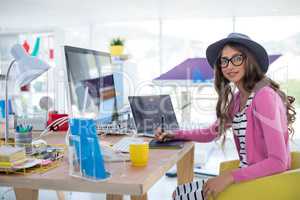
{"type": "Point", "coordinates": [276, 187]}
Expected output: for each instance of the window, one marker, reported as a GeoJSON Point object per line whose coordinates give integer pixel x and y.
{"type": "Point", "coordinates": [282, 37]}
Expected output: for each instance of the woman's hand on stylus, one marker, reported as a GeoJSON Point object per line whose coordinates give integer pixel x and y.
{"type": "Point", "coordinates": [163, 136]}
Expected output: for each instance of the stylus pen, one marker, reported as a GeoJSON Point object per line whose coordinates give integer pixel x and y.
{"type": "Point", "coordinates": [162, 124]}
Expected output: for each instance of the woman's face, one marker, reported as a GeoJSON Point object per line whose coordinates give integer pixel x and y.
{"type": "Point", "coordinates": [232, 63]}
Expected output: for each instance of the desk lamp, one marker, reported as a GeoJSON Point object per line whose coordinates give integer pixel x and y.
{"type": "Point", "coordinates": [27, 69]}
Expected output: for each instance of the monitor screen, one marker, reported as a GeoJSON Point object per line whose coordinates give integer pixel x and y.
{"type": "Point", "coordinates": [102, 93]}
{"type": "Point", "coordinates": [91, 93]}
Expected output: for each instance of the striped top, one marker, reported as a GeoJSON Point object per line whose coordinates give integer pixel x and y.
{"type": "Point", "coordinates": [239, 124]}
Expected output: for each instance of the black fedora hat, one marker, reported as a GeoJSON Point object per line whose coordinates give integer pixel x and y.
{"type": "Point", "coordinates": [256, 49]}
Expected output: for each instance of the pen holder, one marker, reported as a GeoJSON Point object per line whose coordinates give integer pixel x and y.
{"type": "Point", "coordinates": [85, 158]}
{"type": "Point", "coordinates": [24, 139]}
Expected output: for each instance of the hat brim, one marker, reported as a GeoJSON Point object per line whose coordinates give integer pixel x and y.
{"type": "Point", "coordinates": [256, 49]}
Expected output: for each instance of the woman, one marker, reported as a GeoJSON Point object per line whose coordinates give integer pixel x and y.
{"type": "Point", "coordinates": [260, 115]}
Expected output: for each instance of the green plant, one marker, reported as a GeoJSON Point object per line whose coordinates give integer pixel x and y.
{"type": "Point", "coordinates": [117, 41]}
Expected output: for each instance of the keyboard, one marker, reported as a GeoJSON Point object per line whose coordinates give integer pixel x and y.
{"type": "Point", "coordinates": [113, 129]}
{"type": "Point", "coordinates": [123, 144]}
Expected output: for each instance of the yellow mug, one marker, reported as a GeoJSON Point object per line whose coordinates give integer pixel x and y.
{"type": "Point", "coordinates": [139, 154]}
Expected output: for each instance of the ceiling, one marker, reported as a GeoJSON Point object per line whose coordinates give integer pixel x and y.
{"type": "Point", "coordinates": [16, 14]}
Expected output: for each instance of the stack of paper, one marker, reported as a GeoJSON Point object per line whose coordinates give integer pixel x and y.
{"type": "Point", "coordinates": [11, 156]}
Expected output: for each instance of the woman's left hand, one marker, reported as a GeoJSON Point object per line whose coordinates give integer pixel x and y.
{"type": "Point", "coordinates": [216, 185]}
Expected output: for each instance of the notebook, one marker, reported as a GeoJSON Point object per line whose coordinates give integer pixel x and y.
{"type": "Point", "coordinates": [152, 112]}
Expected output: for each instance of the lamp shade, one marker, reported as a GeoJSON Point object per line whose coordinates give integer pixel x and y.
{"type": "Point", "coordinates": [27, 67]}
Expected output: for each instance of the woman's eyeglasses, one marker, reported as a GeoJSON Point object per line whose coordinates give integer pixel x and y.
{"type": "Point", "coordinates": [235, 60]}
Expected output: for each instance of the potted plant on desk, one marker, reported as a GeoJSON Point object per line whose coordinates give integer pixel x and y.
{"type": "Point", "coordinates": [116, 46]}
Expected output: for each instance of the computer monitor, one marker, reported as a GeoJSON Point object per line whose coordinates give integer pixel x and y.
{"type": "Point", "coordinates": [102, 92]}
{"type": "Point", "coordinates": [91, 93]}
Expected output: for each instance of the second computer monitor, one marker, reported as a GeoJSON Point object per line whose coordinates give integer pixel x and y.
{"type": "Point", "coordinates": [152, 112]}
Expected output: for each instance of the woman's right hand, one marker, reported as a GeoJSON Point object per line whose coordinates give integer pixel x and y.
{"type": "Point", "coordinates": [163, 136]}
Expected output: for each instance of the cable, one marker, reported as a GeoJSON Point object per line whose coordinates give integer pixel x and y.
{"type": "Point", "coordinates": [55, 123]}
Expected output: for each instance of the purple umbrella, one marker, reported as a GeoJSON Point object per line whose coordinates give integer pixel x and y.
{"type": "Point", "coordinates": [195, 69]}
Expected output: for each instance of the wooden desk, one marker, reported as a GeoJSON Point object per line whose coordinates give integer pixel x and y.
{"type": "Point", "coordinates": [125, 179]}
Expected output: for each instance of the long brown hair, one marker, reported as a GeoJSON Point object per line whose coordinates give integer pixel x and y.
{"type": "Point", "coordinates": [253, 75]}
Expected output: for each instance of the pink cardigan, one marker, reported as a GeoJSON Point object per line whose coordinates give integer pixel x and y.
{"type": "Point", "coordinates": [266, 136]}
